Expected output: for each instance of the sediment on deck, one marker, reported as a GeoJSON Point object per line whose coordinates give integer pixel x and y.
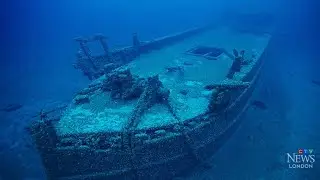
{"type": "Point", "coordinates": [93, 66]}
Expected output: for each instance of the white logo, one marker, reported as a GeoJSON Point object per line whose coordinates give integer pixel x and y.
{"type": "Point", "coordinates": [305, 158]}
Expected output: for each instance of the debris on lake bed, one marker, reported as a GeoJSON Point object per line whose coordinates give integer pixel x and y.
{"type": "Point", "coordinates": [11, 107]}
{"type": "Point", "coordinates": [259, 104]}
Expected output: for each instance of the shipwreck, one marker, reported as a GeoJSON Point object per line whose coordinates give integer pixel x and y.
{"type": "Point", "coordinates": [155, 109]}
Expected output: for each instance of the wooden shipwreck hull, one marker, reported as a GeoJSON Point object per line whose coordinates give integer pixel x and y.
{"type": "Point", "coordinates": [72, 148]}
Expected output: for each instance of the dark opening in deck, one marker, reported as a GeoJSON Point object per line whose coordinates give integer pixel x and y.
{"type": "Point", "coordinates": [207, 52]}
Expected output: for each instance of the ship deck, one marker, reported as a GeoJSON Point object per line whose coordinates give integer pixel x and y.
{"type": "Point", "coordinates": [186, 82]}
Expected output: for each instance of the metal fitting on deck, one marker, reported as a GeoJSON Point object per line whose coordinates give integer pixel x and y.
{"type": "Point", "coordinates": [135, 41]}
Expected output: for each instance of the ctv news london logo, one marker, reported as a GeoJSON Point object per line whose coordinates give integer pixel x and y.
{"type": "Point", "coordinates": [303, 159]}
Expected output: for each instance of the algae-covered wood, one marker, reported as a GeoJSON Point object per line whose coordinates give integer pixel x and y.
{"type": "Point", "coordinates": [184, 74]}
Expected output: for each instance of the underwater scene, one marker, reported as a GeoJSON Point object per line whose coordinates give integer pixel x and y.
{"type": "Point", "coordinates": [160, 90]}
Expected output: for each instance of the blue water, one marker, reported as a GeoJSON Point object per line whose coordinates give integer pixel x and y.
{"type": "Point", "coordinates": [36, 71]}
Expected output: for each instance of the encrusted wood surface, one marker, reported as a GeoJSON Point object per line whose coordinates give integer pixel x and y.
{"type": "Point", "coordinates": [161, 150]}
